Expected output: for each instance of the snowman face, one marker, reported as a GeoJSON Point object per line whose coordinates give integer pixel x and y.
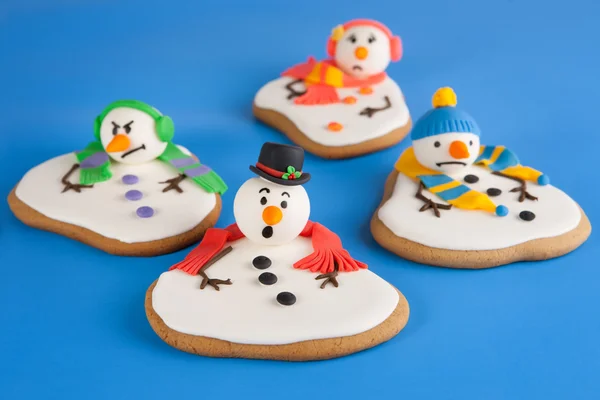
{"type": "Point", "coordinates": [363, 51]}
{"type": "Point", "coordinates": [448, 152]}
{"type": "Point", "coordinates": [129, 136]}
{"type": "Point", "coordinates": [271, 214]}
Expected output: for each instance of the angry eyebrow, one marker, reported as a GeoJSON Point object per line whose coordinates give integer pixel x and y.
{"type": "Point", "coordinates": [285, 194]}
{"type": "Point", "coordinates": [264, 190]}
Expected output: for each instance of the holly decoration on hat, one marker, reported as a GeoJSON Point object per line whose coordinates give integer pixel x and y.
{"type": "Point", "coordinates": [291, 173]}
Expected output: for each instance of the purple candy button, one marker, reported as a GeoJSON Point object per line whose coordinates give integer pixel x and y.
{"type": "Point", "coordinates": [133, 195]}
{"type": "Point", "coordinates": [130, 179]}
{"type": "Point", "coordinates": [145, 212]}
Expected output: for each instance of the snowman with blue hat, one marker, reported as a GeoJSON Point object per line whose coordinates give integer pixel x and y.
{"type": "Point", "coordinates": [454, 202]}
{"type": "Point", "coordinates": [445, 141]}
{"type": "Point", "coordinates": [131, 191]}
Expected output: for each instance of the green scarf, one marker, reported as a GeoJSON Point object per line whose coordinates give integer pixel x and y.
{"type": "Point", "coordinates": [95, 164]}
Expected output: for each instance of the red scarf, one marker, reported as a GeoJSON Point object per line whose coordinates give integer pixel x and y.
{"type": "Point", "coordinates": [321, 79]}
{"type": "Point", "coordinates": [326, 244]}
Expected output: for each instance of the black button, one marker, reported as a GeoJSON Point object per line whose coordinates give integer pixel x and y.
{"type": "Point", "coordinates": [267, 232]}
{"type": "Point", "coordinates": [494, 192]}
{"type": "Point", "coordinates": [471, 179]}
{"type": "Point", "coordinates": [267, 278]}
{"type": "Point", "coordinates": [286, 298]}
{"type": "Point", "coordinates": [526, 215]}
{"type": "Point", "coordinates": [261, 262]}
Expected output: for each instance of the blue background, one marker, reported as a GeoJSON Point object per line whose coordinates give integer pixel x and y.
{"type": "Point", "coordinates": [72, 318]}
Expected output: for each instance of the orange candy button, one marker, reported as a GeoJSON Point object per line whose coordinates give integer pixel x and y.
{"type": "Point", "coordinates": [365, 90]}
{"type": "Point", "coordinates": [349, 100]}
{"type": "Point", "coordinates": [334, 126]}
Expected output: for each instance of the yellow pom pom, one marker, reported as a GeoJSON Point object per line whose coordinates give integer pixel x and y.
{"type": "Point", "coordinates": [444, 97]}
{"type": "Point", "coordinates": [337, 33]}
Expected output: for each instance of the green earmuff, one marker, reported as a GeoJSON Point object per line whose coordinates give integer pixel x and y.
{"type": "Point", "coordinates": [165, 128]}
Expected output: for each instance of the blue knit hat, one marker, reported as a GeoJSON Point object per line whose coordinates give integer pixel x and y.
{"type": "Point", "coordinates": [444, 117]}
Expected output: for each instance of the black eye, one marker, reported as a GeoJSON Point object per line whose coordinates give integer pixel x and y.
{"type": "Point", "coordinates": [127, 127]}
{"type": "Point", "coordinates": [263, 200]}
{"type": "Point", "coordinates": [115, 128]}
{"type": "Point", "coordinates": [371, 39]}
{"type": "Point", "coordinates": [471, 143]}
{"type": "Point", "coordinates": [352, 39]}
{"type": "Point", "coordinates": [284, 204]}
{"type": "Point", "coordinates": [437, 144]}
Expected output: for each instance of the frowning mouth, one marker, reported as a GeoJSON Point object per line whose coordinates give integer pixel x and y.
{"type": "Point", "coordinates": [142, 147]}
{"type": "Point", "coordinates": [267, 232]}
{"type": "Point", "coordinates": [451, 162]}
{"type": "Point", "coordinates": [357, 68]}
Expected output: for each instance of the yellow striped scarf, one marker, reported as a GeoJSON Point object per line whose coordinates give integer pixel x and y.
{"type": "Point", "coordinates": [500, 159]}
{"type": "Point", "coordinates": [494, 158]}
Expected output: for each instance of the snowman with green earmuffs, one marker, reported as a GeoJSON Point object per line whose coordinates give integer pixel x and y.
{"type": "Point", "coordinates": [131, 191]}
{"type": "Point", "coordinates": [132, 132]}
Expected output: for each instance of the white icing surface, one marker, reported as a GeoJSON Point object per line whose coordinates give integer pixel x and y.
{"type": "Point", "coordinates": [313, 120]}
{"type": "Point", "coordinates": [104, 208]}
{"type": "Point", "coordinates": [248, 312]}
{"type": "Point", "coordinates": [456, 229]}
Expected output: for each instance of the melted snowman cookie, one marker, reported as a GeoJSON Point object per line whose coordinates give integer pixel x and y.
{"type": "Point", "coordinates": [273, 285]}
{"type": "Point", "coordinates": [129, 192]}
{"type": "Point", "coordinates": [452, 202]}
{"type": "Point", "coordinates": [345, 106]}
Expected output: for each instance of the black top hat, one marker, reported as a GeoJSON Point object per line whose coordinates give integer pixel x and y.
{"type": "Point", "coordinates": [281, 163]}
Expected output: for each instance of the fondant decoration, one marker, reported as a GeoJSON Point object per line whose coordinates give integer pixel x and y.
{"type": "Point", "coordinates": [286, 298]}
{"type": "Point", "coordinates": [145, 212]}
{"type": "Point", "coordinates": [526, 215]}
{"type": "Point", "coordinates": [471, 178]}
{"type": "Point", "coordinates": [438, 208]}
{"type": "Point", "coordinates": [94, 195]}
{"type": "Point", "coordinates": [344, 106]}
{"type": "Point", "coordinates": [130, 179]}
{"type": "Point", "coordinates": [226, 297]}
{"type": "Point", "coordinates": [261, 262]}
{"type": "Point", "coordinates": [133, 195]}
{"type": "Point", "coordinates": [281, 165]}
{"type": "Point", "coordinates": [267, 278]}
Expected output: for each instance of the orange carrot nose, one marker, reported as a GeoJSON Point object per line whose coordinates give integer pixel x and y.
{"type": "Point", "coordinates": [361, 53]}
{"type": "Point", "coordinates": [119, 143]}
{"type": "Point", "coordinates": [272, 215]}
{"type": "Point", "coordinates": [459, 150]}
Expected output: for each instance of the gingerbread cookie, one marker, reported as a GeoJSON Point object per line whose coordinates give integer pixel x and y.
{"type": "Point", "coordinates": [274, 285]}
{"type": "Point", "coordinates": [452, 202]}
{"type": "Point", "coordinates": [345, 106]}
{"type": "Point", "coordinates": [131, 191]}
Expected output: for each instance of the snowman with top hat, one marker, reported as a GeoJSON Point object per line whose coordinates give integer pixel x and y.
{"type": "Point", "coordinates": [348, 95]}
{"type": "Point", "coordinates": [273, 278]}
{"type": "Point", "coordinates": [131, 191]}
{"type": "Point", "coordinates": [272, 209]}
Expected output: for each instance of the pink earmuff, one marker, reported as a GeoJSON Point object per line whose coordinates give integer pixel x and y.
{"type": "Point", "coordinates": [396, 48]}
{"type": "Point", "coordinates": [331, 47]}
